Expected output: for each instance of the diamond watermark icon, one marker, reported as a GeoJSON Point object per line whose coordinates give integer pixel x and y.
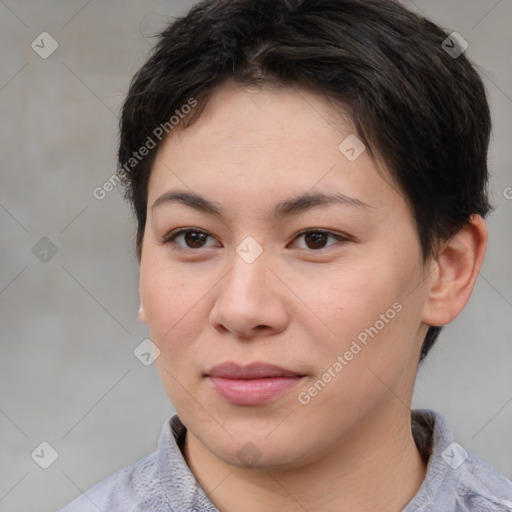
{"type": "Point", "coordinates": [249, 455]}
{"type": "Point", "coordinates": [454, 455]}
{"type": "Point", "coordinates": [44, 455]}
{"type": "Point", "coordinates": [146, 352]}
{"type": "Point", "coordinates": [44, 45]}
{"type": "Point", "coordinates": [44, 250]}
{"type": "Point", "coordinates": [454, 45]}
{"type": "Point", "coordinates": [249, 250]}
{"type": "Point", "coordinates": [352, 147]}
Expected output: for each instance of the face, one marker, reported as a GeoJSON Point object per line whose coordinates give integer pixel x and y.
{"type": "Point", "coordinates": [252, 273]}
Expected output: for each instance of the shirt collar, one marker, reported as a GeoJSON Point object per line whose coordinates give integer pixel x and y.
{"type": "Point", "coordinates": [432, 436]}
{"type": "Point", "coordinates": [430, 430]}
{"type": "Point", "coordinates": [182, 490]}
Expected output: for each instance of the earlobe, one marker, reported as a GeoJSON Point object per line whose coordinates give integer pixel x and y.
{"type": "Point", "coordinates": [142, 314]}
{"type": "Point", "coordinates": [454, 272]}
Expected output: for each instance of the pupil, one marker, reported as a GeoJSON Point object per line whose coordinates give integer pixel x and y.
{"type": "Point", "coordinates": [194, 238]}
{"type": "Point", "coordinates": [316, 238]}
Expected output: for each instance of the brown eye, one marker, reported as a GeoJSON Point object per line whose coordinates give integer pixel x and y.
{"type": "Point", "coordinates": [192, 238]}
{"type": "Point", "coordinates": [316, 239]}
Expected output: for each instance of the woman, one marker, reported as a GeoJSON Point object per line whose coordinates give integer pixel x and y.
{"type": "Point", "coordinates": [310, 190]}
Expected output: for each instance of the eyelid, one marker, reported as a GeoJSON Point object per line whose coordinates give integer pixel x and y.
{"type": "Point", "coordinates": [335, 234]}
{"type": "Point", "coordinates": [339, 236]}
{"type": "Point", "coordinates": [168, 239]}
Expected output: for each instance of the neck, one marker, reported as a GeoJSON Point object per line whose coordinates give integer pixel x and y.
{"type": "Point", "coordinates": [377, 467]}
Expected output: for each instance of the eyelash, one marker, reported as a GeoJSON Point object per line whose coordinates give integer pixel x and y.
{"type": "Point", "coordinates": [170, 238]}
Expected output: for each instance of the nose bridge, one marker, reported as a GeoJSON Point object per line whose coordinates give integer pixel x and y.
{"type": "Point", "coordinates": [248, 273]}
{"type": "Point", "coordinates": [247, 298]}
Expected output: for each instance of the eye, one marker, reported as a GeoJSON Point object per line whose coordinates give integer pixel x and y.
{"type": "Point", "coordinates": [316, 239]}
{"type": "Point", "coordinates": [193, 238]}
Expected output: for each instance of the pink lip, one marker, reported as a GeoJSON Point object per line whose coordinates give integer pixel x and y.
{"type": "Point", "coordinates": [254, 384]}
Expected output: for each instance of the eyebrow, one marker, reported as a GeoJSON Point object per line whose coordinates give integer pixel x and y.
{"type": "Point", "coordinates": [293, 206]}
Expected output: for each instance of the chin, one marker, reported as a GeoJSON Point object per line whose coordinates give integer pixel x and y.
{"type": "Point", "coordinates": [263, 447]}
{"type": "Point", "coordinates": [259, 456]}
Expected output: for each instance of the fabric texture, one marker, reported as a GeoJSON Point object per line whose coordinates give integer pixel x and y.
{"type": "Point", "coordinates": [456, 480]}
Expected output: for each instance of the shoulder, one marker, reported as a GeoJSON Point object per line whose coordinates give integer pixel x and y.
{"type": "Point", "coordinates": [133, 488]}
{"type": "Point", "coordinates": [479, 486]}
{"type": "Point", "coordinates": [160, 482]}
{"type": "Point", "coordinates": [456, 480]}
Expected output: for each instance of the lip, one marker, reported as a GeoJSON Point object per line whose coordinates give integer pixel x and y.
{"type": "Point", "coordinates": [253, 384]}
{"type": "Point", "coordinates": [255, 370]}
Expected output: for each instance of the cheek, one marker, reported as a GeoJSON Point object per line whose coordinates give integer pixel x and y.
{"type": "Point", "coordinates": [174, 304]}
{"type": "Point", "coordinates": [372, 305]}
{"type": "Point", "coordinates": [358, 298]}
{"type": "Point", "coordinates": [175, 309]}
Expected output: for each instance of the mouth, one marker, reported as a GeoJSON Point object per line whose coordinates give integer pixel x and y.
{"type": "Point", "coordinates": [254, 384]}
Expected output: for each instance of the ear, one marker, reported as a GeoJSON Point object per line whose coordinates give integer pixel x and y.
{"type": "Point", "coordinates": [453, 273]}
{"type": "Point", "coordinates": [142, 312]}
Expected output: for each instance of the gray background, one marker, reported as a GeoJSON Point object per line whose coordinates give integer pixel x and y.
{"type": "Point", "coordinates": [69, 325]}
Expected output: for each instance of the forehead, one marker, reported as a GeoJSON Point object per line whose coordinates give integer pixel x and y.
{"type": "Point", "coordinates": [268, 114]}
{"type": "Point", "coordinates": [269, 141]}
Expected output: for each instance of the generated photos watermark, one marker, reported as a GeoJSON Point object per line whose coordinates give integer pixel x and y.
{"type": "Point", "coordinates": [304, 397]}
{"type": "Point", "coordinates": [158, 133]}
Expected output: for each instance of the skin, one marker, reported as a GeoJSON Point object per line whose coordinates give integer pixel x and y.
{"type": "Point", "coordinates": [299, 305]}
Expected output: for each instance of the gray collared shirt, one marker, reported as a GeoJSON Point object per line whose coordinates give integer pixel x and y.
{"type": "Point", "coordinates": [456, 480]}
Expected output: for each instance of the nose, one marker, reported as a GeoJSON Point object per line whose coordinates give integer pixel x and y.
{"type": "Point", "coordinates": [251, 300]}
